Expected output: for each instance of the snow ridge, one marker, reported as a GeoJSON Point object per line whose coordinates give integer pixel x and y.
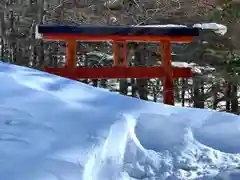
{"type": "Point", "coordinates": [108, 160]}
{"type": "Point", "coordinates": [53, 128]}
{"type": "Point", "coordinates": [123, 157]}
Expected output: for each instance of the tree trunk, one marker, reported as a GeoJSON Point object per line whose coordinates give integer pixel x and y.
{"type": "Point", "coordinates": [2, 48]}
{"type": "Point", "coordinates": [198, 93]}
{"type": "Point", "coordinates": [202, 99]}
{"type": "Point", "coordinates": [2, 32]}
{"type": "Point", "coordinates": [215, 88]}
{"type": "Point", "coordinates": [155, 93]}
{"type": "Point", "coordinates": [228, 97]}
{"type": "Point", "coordinates": [40, 64]}
{"type": "Point", "coordinates": [85, 65]}
{"type": "Point", "coordinates": [14, 52]}
{"type": "Point", "coordinates": [234, 98]}
{"type": "Point", "coordinates": [134, 89]}
{"type": "Point", "coordinates": [41, 55]}
{"type": "Point", "coordinates": [103, 83]}
{"type": "Point", "coordinates": [183, 92]}
{"type": "Point", "coordinates": [139, 60]}
{"type": "Point", "coordinates": [95, 82]}
{"type": "Point", "coordinates": [177, 90]}
{"type": "Point", "coordinates": [123, 86]}
{"type": "Point", "coordinates": [142, 88]}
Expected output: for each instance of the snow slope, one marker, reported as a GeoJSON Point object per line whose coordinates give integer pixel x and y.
{"type": "Point", "coordinates": [53, 128]}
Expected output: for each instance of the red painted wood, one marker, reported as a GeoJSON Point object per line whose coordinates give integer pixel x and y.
{"type": "Point", "coordinates": [166, 71]}
{"type": "Point", "coordinates": [71, 51]}
{"type": "Point", "coordinates": [119, 72]}
{"type": "Point", "coordinates": [102, 37]}
{"type": "Point", "coordinates": [168, 95]}
{"type": "Point", "coordinates": [115, 54]}
{"type": "Point", "coordinates": [125, 63]}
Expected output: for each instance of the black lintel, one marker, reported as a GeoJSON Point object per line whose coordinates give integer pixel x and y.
{"type": "Point", "coordinates": [119, 30]}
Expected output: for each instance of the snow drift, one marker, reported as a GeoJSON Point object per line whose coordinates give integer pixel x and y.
{"type": "Point", "coordinates": [53, 128]}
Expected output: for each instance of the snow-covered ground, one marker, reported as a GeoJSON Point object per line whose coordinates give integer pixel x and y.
{"type": "Point", "coordinates": [53, 128]}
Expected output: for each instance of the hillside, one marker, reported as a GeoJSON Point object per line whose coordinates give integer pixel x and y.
{"type": "Point", "coordinates": [53, 128]}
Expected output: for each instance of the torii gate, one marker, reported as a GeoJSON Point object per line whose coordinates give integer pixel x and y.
{"type": "Point", "coordinates": [123, 34]}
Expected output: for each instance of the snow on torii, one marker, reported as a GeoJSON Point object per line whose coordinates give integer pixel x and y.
{"type": "Point", "coordinates": [163, 35]}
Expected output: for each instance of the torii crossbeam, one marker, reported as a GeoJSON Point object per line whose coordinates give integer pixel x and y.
{"type": "Point", "coordinates": [163, 35]}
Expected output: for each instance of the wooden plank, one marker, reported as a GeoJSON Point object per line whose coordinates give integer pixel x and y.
{"type": "Point", "coordinates": [71, 54]}
{"type": "Point", "coordinates": [168, 95]}
{"type": "Point", "coordinates": [115, 53]}
{"type": "Point", "coordinates": [120, 30]}
{"type": "Point", "coordinates": [119, 72]}
{"type": "Point", "coordinates": [89, 37]}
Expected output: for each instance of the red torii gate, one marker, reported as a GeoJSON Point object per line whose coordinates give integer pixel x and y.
{"type": "Point", "coordinates": [163, 35]}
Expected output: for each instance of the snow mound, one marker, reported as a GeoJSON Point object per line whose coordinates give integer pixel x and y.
{"type": "Point", "coordinates": [57, 129]}
{"type": "Point", "coordinates": [218, 28]}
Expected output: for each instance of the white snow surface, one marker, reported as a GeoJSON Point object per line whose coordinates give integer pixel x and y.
{"type": "Point", "coordinates": [52, 128]}
{"type": "Point", "coordinates": [218, 28]}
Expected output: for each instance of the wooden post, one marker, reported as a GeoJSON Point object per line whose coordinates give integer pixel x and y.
{"type": "Point", "coordinates": [71, 54]}
{"type": "Point", "coordinates": [125, 63]}
{"type": "Point", "coordinates": [168, 96]}
{"type": "Point", "coordinates": [115, 53]}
